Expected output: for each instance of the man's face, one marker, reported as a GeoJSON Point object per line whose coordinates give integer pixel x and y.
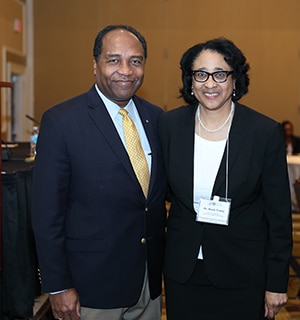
{"type": "Point", "coordinates": [119, 71]}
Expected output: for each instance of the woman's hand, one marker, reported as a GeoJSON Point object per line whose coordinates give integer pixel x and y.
{"type": "Point", "coordinates": [273, 303]}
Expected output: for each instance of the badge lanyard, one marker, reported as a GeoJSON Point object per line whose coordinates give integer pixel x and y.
{"type": "Point", "coordinates": [217, 209]}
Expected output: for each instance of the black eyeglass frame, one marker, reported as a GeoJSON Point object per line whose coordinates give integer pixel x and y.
{"type": "Point", "coordinates": [228, 73]}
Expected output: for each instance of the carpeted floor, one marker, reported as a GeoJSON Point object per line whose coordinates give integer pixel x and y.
{"type": "Point", "coordinates": [290, 312]}
{"type": "Point", "coordinates": [292, 309]}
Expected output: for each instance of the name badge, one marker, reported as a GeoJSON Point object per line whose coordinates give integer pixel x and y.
{"type": "Point", "coordinates": [214, 211]}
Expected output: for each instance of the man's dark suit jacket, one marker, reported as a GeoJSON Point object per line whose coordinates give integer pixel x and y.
{"type": "Point", "coordinates": [255, 247]}
{"type": "Point", "coordinates": [94, 229]}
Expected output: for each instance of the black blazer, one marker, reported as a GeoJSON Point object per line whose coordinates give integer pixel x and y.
{"type": "Point", "coordinates": [295, 144]}
{"type": "Point", "coordinates": [89, 214]}
{"type": "Point", "coordinates": [255, 248]}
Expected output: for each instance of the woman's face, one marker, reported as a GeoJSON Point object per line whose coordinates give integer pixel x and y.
{"type": "Point", "coordinates": [288, 130]}
{"type": "Point", "coordinates": [210, 94]}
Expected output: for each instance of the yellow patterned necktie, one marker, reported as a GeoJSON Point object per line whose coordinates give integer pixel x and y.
{"type": "Point", "coordinates": [135, 151]}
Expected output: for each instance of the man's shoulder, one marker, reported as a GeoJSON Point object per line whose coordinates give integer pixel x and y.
{"type": "Point", "coordinates": [180, 113]}
{"type": "Point", "coordinates": [81, 99]}
{"type": "Point", "coordinates": [141, 102]}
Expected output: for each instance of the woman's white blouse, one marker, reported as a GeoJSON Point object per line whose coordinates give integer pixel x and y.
{"type": "Point", "coordinates": [207, 159]}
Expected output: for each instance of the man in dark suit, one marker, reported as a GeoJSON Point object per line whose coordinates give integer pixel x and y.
{"type": "Point", "coordinates": [99, 237]}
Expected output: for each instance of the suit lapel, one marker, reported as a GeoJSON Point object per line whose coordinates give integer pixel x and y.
{"type": "Point", "coordinates": [101, 118]}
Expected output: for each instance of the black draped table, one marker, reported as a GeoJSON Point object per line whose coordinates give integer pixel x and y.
{"type": "Point", "coordinates": [19, 275]}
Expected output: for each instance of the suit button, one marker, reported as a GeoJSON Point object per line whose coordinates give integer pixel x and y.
{"type": "Point", "coordinates": [143, 240]}
{"type": "Point", "coordinates": [146, 209]}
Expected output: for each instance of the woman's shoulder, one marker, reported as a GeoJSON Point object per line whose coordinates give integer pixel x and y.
{"type": "Point", "coordinates": [180, 112]}
{"type": "Point", "coordinates": [254, 116]}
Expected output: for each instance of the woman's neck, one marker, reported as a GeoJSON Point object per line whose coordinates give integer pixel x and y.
{"type": "Point", "coordinates": [214, 124]}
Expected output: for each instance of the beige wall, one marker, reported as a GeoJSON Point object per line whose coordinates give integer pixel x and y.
{"type": "Point", "coordinates": [9, 39]}
{"type": "Point", "coordinates": [12, 54]}
{"type": "Point", "coordinates": [268, 32]}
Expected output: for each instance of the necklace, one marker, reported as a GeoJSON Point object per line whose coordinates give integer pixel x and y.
{"type": "Point", "coordinates": [221, 126]}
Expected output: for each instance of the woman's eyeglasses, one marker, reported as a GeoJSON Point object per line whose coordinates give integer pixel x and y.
{"type": "Point", "coordinates": [218, 76]}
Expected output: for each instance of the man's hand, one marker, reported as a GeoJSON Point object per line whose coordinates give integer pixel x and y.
{"type": "Point", "coordinates": [65, 305]}
{"type": "Point", "coordinates": [273, 303]}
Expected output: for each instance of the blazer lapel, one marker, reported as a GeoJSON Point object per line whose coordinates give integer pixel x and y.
{"type": "Point", "coordinates": [236, 139]}
{"type": "Point", "coordinates": [185, 151]}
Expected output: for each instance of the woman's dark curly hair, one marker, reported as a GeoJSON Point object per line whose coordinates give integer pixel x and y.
{"type": "Point", "coordinates": [233, 57]}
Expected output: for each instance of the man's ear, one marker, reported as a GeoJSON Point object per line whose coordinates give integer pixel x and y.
{"type": "Point", "coordinates": [94, 66]}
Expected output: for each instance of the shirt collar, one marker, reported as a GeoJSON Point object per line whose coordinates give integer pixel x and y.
{"type": "Point", "coordinates": [112, 107]}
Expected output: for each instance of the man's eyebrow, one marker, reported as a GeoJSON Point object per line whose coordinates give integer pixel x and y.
{"type": "Point", "coordinates": [115, 55]}
{"type": "Point", "coordinates": [138, 56]}
{"type": "Point", "coordinates": [112, 55]}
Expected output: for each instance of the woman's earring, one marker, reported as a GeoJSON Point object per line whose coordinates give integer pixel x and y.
{"type": "Point", "coordinates": [192, 92]}
{"type": "Point", "coordinates": [233, 93]}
